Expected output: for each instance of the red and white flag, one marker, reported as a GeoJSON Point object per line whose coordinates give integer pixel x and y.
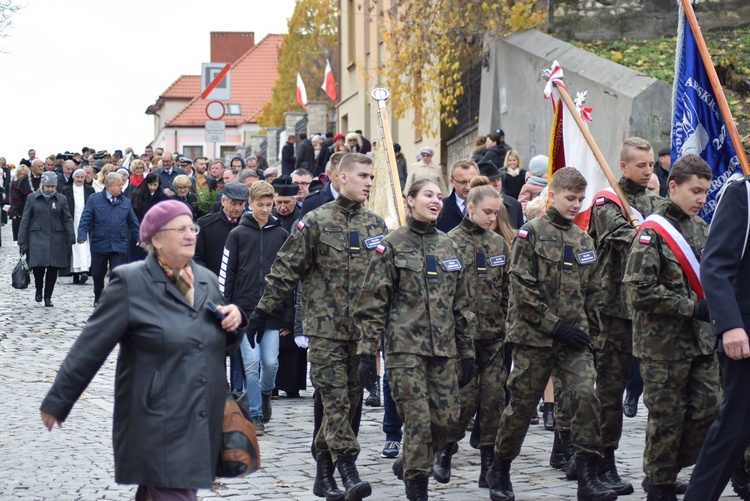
{"type": "Point", "coordinates": [301, 92]}
{"type": "Point", "coordinates": [329, 83]}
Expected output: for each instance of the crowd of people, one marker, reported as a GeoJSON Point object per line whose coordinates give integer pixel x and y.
{"type": "Point", "coordinates": [489, 300]}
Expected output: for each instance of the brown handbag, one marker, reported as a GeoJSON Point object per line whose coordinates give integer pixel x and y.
{"type": "Point", "coordinates": [240, 454]}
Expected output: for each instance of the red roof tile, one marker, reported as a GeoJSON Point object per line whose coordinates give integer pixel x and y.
{"type": "Point", "coordinates": [185, 87]}
{"type": "Point", "coordinates": [253, 76]}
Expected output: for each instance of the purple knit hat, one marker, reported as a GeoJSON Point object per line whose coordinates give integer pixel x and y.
{"type": "Point", "coordinates": [159, 215]}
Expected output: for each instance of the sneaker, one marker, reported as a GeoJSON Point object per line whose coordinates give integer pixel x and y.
{"type": "Point", "coordinates": [391, 449]}
{"type": "Point", "coordinates": [260, 428]}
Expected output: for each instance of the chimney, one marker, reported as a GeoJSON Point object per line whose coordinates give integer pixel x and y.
{"type": "Point", "coordinates": [228, 46]}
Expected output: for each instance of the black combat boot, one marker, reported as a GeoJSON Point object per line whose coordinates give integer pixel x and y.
{"type": "Point", "coordinates": [265, 407]}
{"type": "Point", "coordinates": [373, 399]}
{"type": "Point", "coordinates": [498, 479]}
{"type": "Point", "coordinates": [661, 493]}
{"type": "Point", "coordinates": [609, 477]}
{"type": "Point", "coordinates": [356, 489]}
{"type": "Point", "coordinates": [740, 481]}
{"type": "Point", "coordinates": [570, 467]}
{"type": "Point", "coordinates": [416, 488]}
{"type": "Point", "coordinates": [485, 462]}
{"type": "Point", "coordinates": [398, 468]}
{"type": "Point", "coordinates": [589, 486]}
{"type": "Point", "coordinates": [680, 487]}
{"type": "Point", "coordinates": [560, 450]}
{"type": "Point", "coordinates": [441, 469]}
{"type": "Point", "coordinates": [325, 485]}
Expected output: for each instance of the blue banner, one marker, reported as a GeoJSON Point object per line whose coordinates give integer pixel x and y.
{"type": "Point", "coordinates": [698, 126]}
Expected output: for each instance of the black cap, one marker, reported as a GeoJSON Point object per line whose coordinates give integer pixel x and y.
{"type": "Point", "coordinates": [500, 132]}
{"type": "Point", "coordinates": [236, 191]}
{"type": "Point", "coordinates": [284, 186]}
{"type": "Point", "coordinates": [489, 169]}
{"type": "Point", "coordinates": [665, 151]}
{"type": "Point", "coordinates": [316, 185]}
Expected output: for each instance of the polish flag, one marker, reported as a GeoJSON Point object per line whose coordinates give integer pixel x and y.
{"type": "Point", "coordinates": [329, 84]}
{"type": "Point", "coordinates": [301, 92]}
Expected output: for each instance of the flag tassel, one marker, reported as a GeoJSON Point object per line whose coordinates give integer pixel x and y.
{"type": "Point", "coordinates": [381, 95]}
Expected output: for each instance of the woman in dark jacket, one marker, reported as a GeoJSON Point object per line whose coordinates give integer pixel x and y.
{"type": "Point", "coordinates": [495, 150]}
{"type": "Point", "coordinates": [170, 384]}
{"type": "Point", "coordinates": [181, 185]}
{"type": "Point", "coordinates": [46, 230]}
{"type": "Point", "coordinates": [145, 196]}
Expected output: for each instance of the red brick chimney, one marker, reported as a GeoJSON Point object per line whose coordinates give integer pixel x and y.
{"type": "Point", "coordinates": [228, 46]}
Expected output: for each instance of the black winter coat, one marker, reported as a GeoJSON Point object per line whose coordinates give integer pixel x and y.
{"type": "Point", "coordinates": [170, 383]}
{"type": "Point", "coordinates": [248, 254]}
{"type": "Point", "coordinates": [209, 246]}
{"type": "Point", "coordinates": [496, 154]}
{"type": "Point", "coordinates": [47, 229]}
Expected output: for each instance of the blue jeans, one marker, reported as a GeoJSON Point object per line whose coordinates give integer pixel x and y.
{"type": "Point", "coordinates": [261, 365]}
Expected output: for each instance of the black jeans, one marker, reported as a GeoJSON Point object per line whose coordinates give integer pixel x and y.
{"type": "Point", "coordinates": [99, 264]}
{"type": "Point", "coordinates": [44, 280]}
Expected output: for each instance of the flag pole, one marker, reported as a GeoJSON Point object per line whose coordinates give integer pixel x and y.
{"type": "Point", "coordinates": [721, 99]}
{"type": "Point", "coordinates": [381, 95]}
{"type": "Point", "coordinates": [596, 151]}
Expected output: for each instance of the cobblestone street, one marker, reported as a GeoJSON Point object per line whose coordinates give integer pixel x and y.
{"type": "Point", "coordinates": [76, 462]}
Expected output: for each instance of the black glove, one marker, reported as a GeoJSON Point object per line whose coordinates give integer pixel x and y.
{"type": "Point", "coordinates": [700, 310]}
{"type": "Point", "coordinates": [570, 335]}
{"type": "Point", "coordinates": [366, 369]}
{"type": "Point", "coordinates": [256, 326]}
{"type": "Point", "coordinates": [468, 371]}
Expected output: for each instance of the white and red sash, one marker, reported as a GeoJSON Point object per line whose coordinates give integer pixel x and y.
{"type": "Point", "coordinates": [681, 249]}
{"type": "Point", "coordinates": [583, 217]}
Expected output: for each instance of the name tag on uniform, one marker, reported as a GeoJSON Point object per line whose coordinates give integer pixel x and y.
{"type": "Point", "coordinates": [586, 257]}
{"type": "Point", "coordinates": [547, 238]}
{"type": "Point", "coordinates": [496, 261]}
{"type": "Point", "coordinates": [451, 265]}
{"type": "Point", "coordinates": [332, 229]}
{"type": "Point", "coordinates": [372, 242]}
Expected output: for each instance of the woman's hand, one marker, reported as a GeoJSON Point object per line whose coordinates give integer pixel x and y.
{"type": "Point", "coordinates": [49, 421]}
{"type": "Point", "coordinates": [233, 317]}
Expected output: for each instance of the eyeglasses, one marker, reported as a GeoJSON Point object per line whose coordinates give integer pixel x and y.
{"type": "Point", "coordinates": [181, 230]}
{"type": "Point", "coordinates": [460, 183]}
{"type": "Point", "coordinates": [304, 183]}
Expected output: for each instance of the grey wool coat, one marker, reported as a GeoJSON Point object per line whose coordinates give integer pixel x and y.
{"type": "Point", "coordinates": [170, 383]}
{"type": "Point", "coordinates": [47, 229]}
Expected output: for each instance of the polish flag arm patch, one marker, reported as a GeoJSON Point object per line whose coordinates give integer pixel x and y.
{"type": "Point", "coordinates": [523, 233]}
{"type": "Point", "coordinates": [599, 201]}
{"type": "Point", "coordinates": [644, 239]}
{"type": "Point", "coordinates": [300, 225]}
{"type": "Point", "coordinates": [380, 249]}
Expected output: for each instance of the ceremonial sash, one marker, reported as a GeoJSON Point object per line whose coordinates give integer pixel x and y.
{"type": "Point", "coordinates": [681, 249]}
{"type": "Point", "coordinates": [583, 217]}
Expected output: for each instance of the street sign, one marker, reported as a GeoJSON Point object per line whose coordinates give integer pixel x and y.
{"type": "Point", "coordinates": [215, 110]}
{"type": "Point", "coordinates": [216, 131]}
{"type": "Point", "coordinates": [215, 81]}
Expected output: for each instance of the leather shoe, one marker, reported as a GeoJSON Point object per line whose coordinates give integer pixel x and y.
{"type": "Point", "coordinates": [630, 406]}
{"type": "Point", "coordinates": [38, 296]}
{"type": "Point", "coordinates": [48, 303]}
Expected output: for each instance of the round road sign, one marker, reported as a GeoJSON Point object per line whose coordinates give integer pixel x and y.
{"type": "Point", "coordinates": [215, 110]}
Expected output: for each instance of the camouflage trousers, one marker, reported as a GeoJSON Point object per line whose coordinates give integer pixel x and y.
{"type": "Point", "coordinates": [562, 405]}
{"type": "Point", "coordinates": [532, 367]}
{"type": "Point", "coordinates": [614, 353]}
{"type": "Point", "coordinates": [425, 390]}
{"type": "Point", "coordinates": [682, 398]}
{"type": "Point", "coordinates": [333, 373]}
{"type": "Point", "coordinates": [486, 390]}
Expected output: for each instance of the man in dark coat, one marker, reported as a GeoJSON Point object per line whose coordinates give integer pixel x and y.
{"type": "Point", "coordinates": [284, 206]}
{"type": "Point", "coordinates": [329, 192]}
{"type": "Point", "coordinates": [512, 206]}
{"type": "Point", "coordinates": [305, 154]}
{"type": "Point", "coordinates": [454, 205]}
{"type": "Point", "coordinates": [167, 172]}
{"type": "Point", "coordinates": [661, 169]}
{"type": "Point", "coordinates": [108, 221]}
{"type": "Point", "coordinates": [65, 178]}
{"type": "Point", "coordinates": [25, 186]}
{"type": "Point", "coordinates": [215, 227]}
{"type": "Point", "coordinates": [287, 156]}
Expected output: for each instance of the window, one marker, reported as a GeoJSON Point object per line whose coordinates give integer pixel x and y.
{"type": "Point", "coordinates": [192, 151]}
{"type": "Point", "coordinates": [233, 109]}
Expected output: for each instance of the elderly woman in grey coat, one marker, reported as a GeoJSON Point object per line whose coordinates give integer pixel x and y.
{"type": "Point", "coordinates": [46, 231]}
{"type": "Point", "coordinates": [170, 384]}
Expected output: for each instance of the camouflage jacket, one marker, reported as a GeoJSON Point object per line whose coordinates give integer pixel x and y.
{"type": "Point", "coordinates": [416, 294]}
{"type": "Point", "coordinates": [612, 234]}
{"type": "Point", "coordinates": [329, 255]}
{"type": "Point", "coordinates": [552, 277]}
{"type": "Point", "coordinates": [484, 255]}
{"type": "Point", "coordinates": [663, 327]}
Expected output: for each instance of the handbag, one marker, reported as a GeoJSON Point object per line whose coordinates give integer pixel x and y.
{"type": "Point", "coordinates": [240, 454]}
{"type": "Point", "coordinates": [20, 274]}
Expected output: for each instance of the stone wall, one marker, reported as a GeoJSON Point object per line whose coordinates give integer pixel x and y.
{"type": "Point", "coordinates": [639, 19]}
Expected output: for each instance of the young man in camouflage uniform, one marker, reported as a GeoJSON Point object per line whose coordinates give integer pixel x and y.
{"type": "Point", "coordinates": [553, 295]}
{"type": "Point", "coordinates": [329, 255]}
{"type": "Point", "coordinates": [612, 234]}
{"type": "Point", "coordinates": [671, 336]}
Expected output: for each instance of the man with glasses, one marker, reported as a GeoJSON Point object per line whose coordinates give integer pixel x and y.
{"type": "Point", "coordinates": [167, 173]}
{"type": "Point", "coordinates": [303, 179]}
{"type": "Point", "coordinates": [108, 221]}
{"type": "Point", "coordinates": [454, 206]}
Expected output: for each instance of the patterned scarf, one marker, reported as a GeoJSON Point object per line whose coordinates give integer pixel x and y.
{"type": "Point", "coordinates": [181, 278]}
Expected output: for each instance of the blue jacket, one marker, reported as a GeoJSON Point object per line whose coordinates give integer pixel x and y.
{"type": "Point", "coordinates": [106, 226]}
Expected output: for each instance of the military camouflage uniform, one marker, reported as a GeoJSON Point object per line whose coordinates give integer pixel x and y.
{"type": "Point", "coordinates": [680, 370]}
{"type": "Point", "coordinates": [416, 294]}
{"type": "Point", "coordinates": [484, 254]}
{"type": "Point", "coordinates": [612, 234]}
{"type": "Point", "coordinates": [329, 255]}
{"type": "Point", "coordinates": [551, 279]}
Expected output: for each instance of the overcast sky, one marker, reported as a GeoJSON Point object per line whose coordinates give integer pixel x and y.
{"type": "Point", "coordinates": [82, 72]}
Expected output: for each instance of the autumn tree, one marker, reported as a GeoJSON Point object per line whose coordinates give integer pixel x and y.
{"type": "Point", "coordinates": [432, 42]}
{"type": "Point", "coordinates": [311, 39]}
{"type": "Point", "coordinates": [8, 8]}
